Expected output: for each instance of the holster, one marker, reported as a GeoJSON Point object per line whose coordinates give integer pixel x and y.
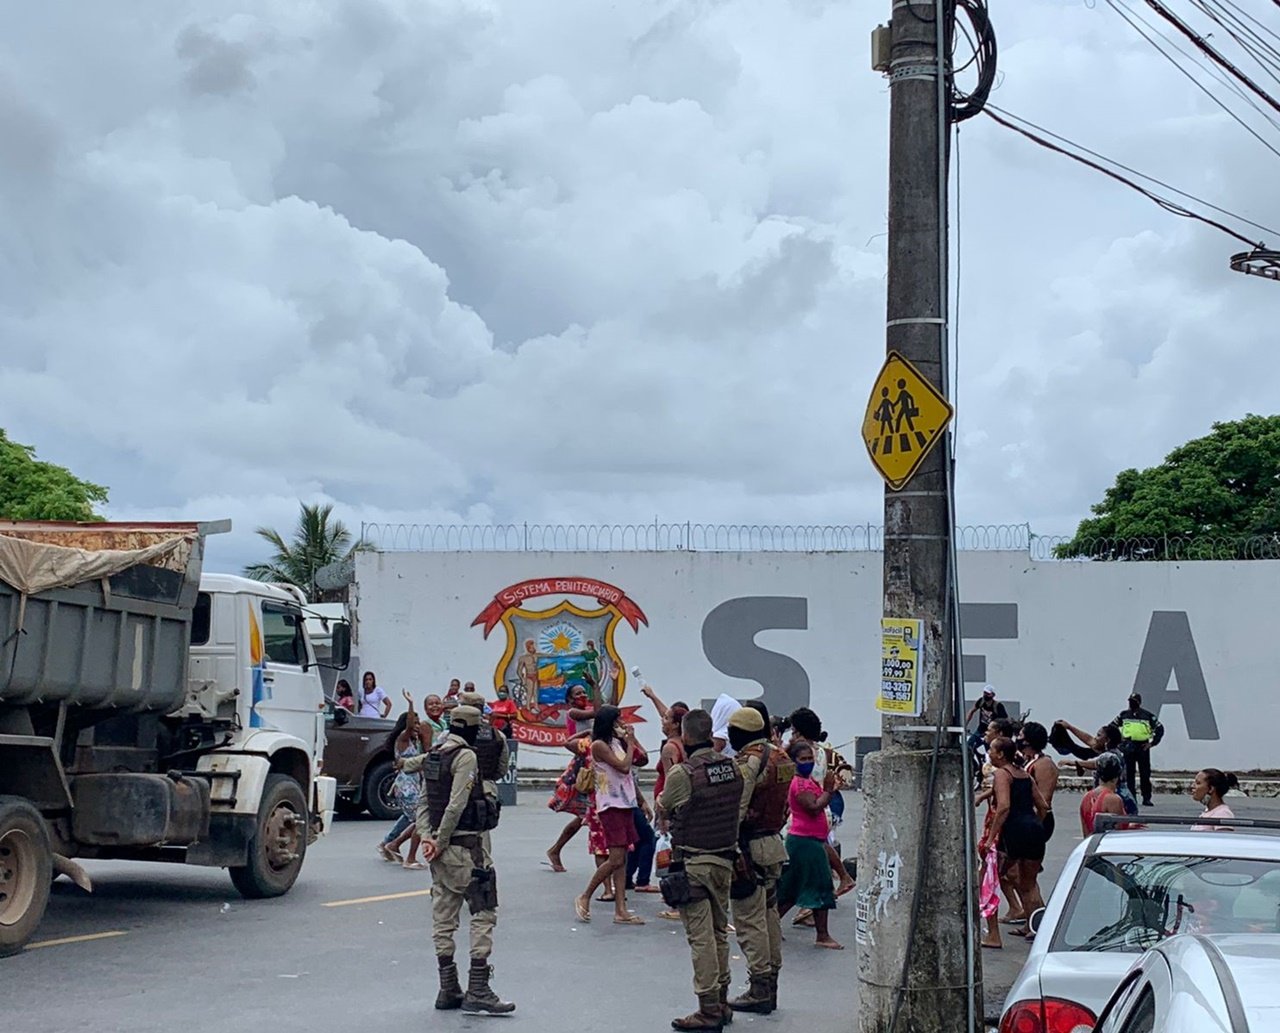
{"type": "Point", "coordinates": [678, 890]}
{"type": "Point", "coordinates": [482, 890]}
{"type": "Point", "coordinates": [745, 876]}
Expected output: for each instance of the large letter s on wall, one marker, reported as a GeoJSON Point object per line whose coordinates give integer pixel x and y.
{"type": "Point", "coordinates": [729, 642]}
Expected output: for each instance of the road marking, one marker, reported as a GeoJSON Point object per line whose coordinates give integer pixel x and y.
{"type": "Point", "coordinates": [374, 900]}
{"type": "Point", "coordinates": [75, 939]}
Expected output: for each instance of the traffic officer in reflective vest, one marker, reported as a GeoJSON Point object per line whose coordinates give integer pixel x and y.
{"type": "Point", "coordinates": [767, 771]}
{"type": "Point", "coordinates": [703, 796]}
{"type": "Point", "coordinates": [454, 826]}
{"type": "Point", "coordinates": [492, 751]}
{"type": "Point", "coordinates": [1139, 731]}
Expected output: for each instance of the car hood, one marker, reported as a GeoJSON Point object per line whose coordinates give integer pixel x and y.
{"type": "Point", "coordinates": [1086, 977]}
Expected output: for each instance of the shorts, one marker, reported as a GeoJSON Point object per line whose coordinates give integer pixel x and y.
{"type": "Point", "coordinates": [619, 827]}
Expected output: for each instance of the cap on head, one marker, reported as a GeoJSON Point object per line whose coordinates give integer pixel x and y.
{"type": "Point", "coordinates": [747, 719]}
{"type": "Point", "coordinates": [1135, 697]}
{"type": "Point", "coordinates": [988, 690]}
{"type": "Point", "coordinates": [465, 715]}
{"type": "Point", "coordinates": [471, 699]}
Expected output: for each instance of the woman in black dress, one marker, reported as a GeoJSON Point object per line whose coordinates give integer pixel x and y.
{"type": "Point", "coordinates": [1017, 827]}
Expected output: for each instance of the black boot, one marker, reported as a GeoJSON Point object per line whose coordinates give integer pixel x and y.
{"type": "Point", "coordinates": [706, 1019]}
{"type": "Point", "coordinates": [757, 999]}
{"type": "Point", "coordinates": [773, 990]}
{"type": "Point", "coordinates": [480, 998]}
{"type": "Point", "coordinates": [726, 1011]}
{"type": "Point", "coordinates": [450, 995]}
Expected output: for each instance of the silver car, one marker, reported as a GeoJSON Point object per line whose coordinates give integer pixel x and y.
{"type": "Point", "coordinates": [1199, 984]}
{"type": "Point", "coordinates": [1122, 893]}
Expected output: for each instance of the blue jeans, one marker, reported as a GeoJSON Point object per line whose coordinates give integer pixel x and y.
{"type": "Point", "coordinates": [401, 824]}
{"type": "Point", "coordinates": [640, 859]}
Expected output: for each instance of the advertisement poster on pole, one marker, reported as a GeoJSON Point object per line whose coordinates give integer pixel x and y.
{"type": "Point", "coordinates": [901, 657]}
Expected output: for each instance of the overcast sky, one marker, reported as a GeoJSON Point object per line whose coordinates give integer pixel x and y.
{"type": "Point", "coordinates": [570, 260]}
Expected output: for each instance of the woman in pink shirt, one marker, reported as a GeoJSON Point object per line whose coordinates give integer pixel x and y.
{"type": "Point", "coordinates": [1210, 786]}
{"type": "Point", "coordinates": [807, 880]}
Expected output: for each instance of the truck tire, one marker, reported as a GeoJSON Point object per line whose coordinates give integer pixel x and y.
{"type": "Point", "coordinates": [279, 842]}
{"type": "Point", "coordinates": [26, 872]}
{"type": "Point", "coordinates": [376, 793]}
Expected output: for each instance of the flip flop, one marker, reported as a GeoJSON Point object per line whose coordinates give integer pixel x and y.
{"type": "Point", "coordinates": [416, 866]}
{"type": "Point", "coordinates": [846, 889]}
{"type": "Point", "coordinates": [387, 854]}
{"type": "Point", "coordinates": [647, 889]}
{"type": "Point", "coordinates": [629, 920]}
{"type": "Point", "coordinates": [582, 911]}
{"type": "Point", "coordinates": [832, 946]}
{"type": "Point", "coordinates": [670, 916]}
{"type": "Point", "coordinates": [554, 866]}
{"type": "Point", "coordinates": [604, 900]}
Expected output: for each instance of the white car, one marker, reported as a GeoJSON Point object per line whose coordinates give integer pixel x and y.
{"type": "Point", "coordinates": [1199, 984]}
{"type": "Point", "coordinates": [1122, 893]}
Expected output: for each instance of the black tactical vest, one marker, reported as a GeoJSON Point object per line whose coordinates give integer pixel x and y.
{"type": "Point", "coordinates": [709, 821]}
{"type": "Point", "coordinates": [437, 779]}
{"type": "Point", "coordinates": [488, 749]}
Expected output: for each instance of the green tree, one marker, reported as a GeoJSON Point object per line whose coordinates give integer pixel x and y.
{"type": "Point", "coordinates": [31, 489]}
{"type": "Point", "coordinates": [1215, 497]}
{"type": "Point", "coordinates": [317, 541]}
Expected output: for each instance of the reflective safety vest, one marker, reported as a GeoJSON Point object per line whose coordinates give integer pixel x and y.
{"type": "Point", "coordinates": [1136, 729]}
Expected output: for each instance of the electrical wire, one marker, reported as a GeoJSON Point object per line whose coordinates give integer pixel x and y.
{"type": "Point", "coordinates": [1201, 44]}
{"type": "Point", "coordinates": [965, 105]}
{"type": "Point", "coordinates": [1132, 171]}
{"type": "Point", "coordinates": [1169, 206]}
{"type": "Point", "coordinates": [1146, 32]}
{"type": "Point", "coordinates": [1266, 56]}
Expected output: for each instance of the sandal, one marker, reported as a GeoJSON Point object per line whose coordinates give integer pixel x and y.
{"type": "Point", "coordinates": [630, 919]}
{"type": "Point", "coordinates": [830, 945]}
{"type": "Point", "coordinates": [670, 916]}
{"type": "Point", "coordinates": [648, 889]}
{"type": "Point", "coordinates": [387, 854]}
{"type": "Point", "coordinates": [414, 866]}
{"type": "Point", "coordinates": [583, 911]}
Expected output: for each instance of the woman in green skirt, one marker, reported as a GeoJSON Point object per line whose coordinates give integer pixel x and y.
{"type": "Point", "coordinates": [807, 880]}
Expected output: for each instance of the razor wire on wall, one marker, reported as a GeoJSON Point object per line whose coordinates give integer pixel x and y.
{"type": "Point", "coordinates": [694, 537]}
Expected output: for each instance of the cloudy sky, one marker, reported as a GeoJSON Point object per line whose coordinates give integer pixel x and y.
{"type": "Point", "coordinates": [573, 260]}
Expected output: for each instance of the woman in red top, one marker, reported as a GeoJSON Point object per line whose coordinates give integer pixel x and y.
{"type": "Point", "coordinates": [1104, 799]}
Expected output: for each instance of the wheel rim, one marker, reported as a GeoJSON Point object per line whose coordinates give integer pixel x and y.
{"type": "Point", "coordinates": [283, 837]}
{"type": "Point", "coordinates": [18, 857]}
{"type": "Point", "coordinates": [386, 792]}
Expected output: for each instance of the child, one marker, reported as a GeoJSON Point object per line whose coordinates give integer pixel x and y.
{"type": "Point", "coordinates": [807, 880]}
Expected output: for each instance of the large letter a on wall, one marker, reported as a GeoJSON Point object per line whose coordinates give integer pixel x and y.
{"type": "Point", "coordinates": [1170, 653]}
{"type": "Point", "coordinates": [729, 642]}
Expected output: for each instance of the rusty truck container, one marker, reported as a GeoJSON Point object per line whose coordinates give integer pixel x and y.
{"type": "Point", "coordinates": [117, 641]}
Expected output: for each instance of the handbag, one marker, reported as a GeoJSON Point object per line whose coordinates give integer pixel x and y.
{"type": "Point", "coordinates": [585, 780]}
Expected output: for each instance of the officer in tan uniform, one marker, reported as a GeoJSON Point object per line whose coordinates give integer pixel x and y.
{"type": "Point", "coordinates": [703, 796]}
{"type": "Point", "coordinates": [768, 772]}
{"type": "Point", "coordinates": [454, 826]}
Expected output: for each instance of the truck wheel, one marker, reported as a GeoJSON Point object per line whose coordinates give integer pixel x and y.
{"type": "Point", "coordinates": [378, 781]}
{"type": "Point", "coordinates": [26, 872]}
{"type": "Point", "coordinates": [279, 841]}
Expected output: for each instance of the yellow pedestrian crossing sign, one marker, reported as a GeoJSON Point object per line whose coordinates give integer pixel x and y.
{"type": "Point", "coordinates": [906, 416]}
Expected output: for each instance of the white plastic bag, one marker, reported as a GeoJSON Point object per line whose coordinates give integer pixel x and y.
{"type": "Point", "coordinates": [662, 856]}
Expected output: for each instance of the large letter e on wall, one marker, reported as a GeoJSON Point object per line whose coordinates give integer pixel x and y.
{"type": "Point", "coordinates": [729, 642]}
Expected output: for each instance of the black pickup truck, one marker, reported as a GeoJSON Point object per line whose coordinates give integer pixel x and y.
{"type": "Point", "coordinates": [358, 755]}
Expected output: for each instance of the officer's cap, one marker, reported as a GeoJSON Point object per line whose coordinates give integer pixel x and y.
{"type": "Point", "coordinates": [747, 719]}
{"type": "Point", "coordinates": [465, 715]}
{"type": "Point", "coordinates": [471, 699]}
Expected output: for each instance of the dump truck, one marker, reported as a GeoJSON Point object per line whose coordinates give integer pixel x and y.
{"type": "Point", "coordinates": [150, 712]}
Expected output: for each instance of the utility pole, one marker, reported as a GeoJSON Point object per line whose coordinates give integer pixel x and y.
{"type": "Point", "coordinates": [916, 914]}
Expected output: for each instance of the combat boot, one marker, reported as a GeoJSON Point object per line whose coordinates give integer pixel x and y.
{"type": "Point", "coordinates": [480, 997]}
{"type": "Point", "coordinates": [757, 999]}
{"type": "Point", "coordinates": [773, 990]}
{"type": "Point", "coordinates": [450, 995]}
{"type": "Point", "coordinates": [706, 1019]}
{"type": "Point", "coordinates": [726, 1011]}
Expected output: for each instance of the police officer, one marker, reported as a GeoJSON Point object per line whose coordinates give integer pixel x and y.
{"type": "Point", "coordinates": [767, 771]}
{"type": "Point", "coordinates": [703, 796]}
{"type": "Point", "coordinates": [492, 751]}
{"type": "Point", "coordinates": [454, 826]}
{"type": "Point", "coordinates": [1139, 731]}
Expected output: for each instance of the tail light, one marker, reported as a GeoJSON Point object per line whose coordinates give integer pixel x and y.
{"type": "Point", "coordinates": [1052, 1015]}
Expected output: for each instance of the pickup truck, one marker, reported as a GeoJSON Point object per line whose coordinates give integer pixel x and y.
{"type": "Point", "coordinates": [356, 753]}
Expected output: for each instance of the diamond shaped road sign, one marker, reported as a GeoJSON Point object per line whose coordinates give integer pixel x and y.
{"type": "Point", "coordinates": [906, 416]}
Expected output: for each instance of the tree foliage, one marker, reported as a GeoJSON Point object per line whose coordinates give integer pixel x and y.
{"type": "Point", "coordinates": [31, 489]}
{"type": "Point", "coordinates": [318, 540]}
{"type": "Point", "coordinates": [1214, 496]}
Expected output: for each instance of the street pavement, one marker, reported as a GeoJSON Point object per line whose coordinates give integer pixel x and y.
{"type": "Point", "coordinates": [175, 948]}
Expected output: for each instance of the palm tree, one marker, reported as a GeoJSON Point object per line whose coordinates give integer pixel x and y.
{"type": "Point", "coordinates": [317, 542]}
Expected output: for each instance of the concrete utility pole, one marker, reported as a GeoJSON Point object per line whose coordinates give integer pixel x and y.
{"type": "Point", "coordinates": [896, 881]}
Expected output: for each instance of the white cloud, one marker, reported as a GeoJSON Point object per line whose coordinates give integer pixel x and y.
{"type": "Point", "coordinates": [573, 261]}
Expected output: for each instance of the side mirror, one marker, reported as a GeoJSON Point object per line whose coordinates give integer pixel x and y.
{"type": "Point", "coordinates": [340, 715]}
{"type": "Point", "coordinates": [340, 646]}
{"type": "Point", "coordinates": [1037, 917]}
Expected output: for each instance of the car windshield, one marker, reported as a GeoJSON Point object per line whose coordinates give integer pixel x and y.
{"type": "Point", "coordinates": [1129, 902]}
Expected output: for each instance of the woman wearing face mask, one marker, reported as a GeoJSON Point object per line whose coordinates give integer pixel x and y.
{"type": "Point", "coordinates": [807, 880]}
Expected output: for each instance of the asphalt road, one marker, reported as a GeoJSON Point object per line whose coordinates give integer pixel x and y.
{"type": "Point", "coordinates": [175, 948]}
